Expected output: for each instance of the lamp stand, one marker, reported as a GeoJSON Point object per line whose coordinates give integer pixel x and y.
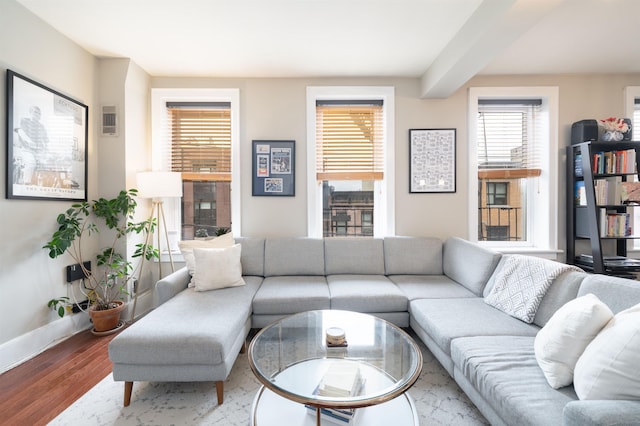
{"type": "Point", "coordinates": [157, 212]}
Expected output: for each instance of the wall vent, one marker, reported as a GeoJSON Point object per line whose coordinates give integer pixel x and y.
{"type": "Point", "coordinates": [109, 121]}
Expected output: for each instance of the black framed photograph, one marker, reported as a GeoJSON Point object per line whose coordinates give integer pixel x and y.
{"type": "Point", "coordinates": [273, 168]}
{"type": "Point", "coordinates": [46, 142]}
{"type": "Point", "coordinates": [432, 160]}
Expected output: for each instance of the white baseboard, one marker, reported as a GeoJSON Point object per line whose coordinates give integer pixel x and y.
{"type": "Point", "coordinates": [25, 347]}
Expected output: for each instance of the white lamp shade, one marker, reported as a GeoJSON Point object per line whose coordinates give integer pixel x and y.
{"type": "Point", "coordinates": [159, 184]}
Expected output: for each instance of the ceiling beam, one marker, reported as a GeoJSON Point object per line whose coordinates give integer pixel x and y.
{"type": "Point", "coordinates": [489, 30]}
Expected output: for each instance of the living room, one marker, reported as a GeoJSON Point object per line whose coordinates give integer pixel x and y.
{"type": "Point", "coordinates": [271, 108]}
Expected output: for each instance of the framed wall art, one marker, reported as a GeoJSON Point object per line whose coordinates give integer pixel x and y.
{"type": "Point", "coordinates": [273, 168]}
{"type": "Point", "coordinates": [432, 160]}
{"type": "Point", "coordinates": [46, 142]}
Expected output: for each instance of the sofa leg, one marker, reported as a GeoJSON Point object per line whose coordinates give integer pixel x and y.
{"type": "Point", "coordinates": [128, 387]}
{"type": "Point", "coordinates": [219, 391]}
{"type": "Point", "coordinates": [243, 349]}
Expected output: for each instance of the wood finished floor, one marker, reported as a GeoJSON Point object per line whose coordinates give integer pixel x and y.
{"type": "Point", "coordinates": [36, 391]}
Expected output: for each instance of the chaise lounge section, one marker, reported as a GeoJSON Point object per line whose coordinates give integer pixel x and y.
{"type": "Point", "coordinates": [437, 288]}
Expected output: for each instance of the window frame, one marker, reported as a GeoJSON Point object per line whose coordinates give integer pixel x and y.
{"type": "Point", "coordinates": [631, 93]}
{"type": "Point", "coordinates": [544, 198]}
{"type": "Point", "coordinates": [160, 142]}
{"type": "Point", "coordinates": [384, 196]}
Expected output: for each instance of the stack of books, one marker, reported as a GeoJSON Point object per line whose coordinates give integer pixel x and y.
{"type": "Point", "coordinates": [341, 380]}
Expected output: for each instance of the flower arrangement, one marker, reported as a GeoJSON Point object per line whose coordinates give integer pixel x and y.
{"type": "Point", "coordinates": [613, 124]}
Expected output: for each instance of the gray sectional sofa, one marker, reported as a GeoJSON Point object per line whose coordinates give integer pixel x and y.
{"type": "Point", "coordinates": [437, 288]}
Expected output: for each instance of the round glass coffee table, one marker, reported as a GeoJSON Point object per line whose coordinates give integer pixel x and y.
{"type": "Point", "coordinates": [305, 379]}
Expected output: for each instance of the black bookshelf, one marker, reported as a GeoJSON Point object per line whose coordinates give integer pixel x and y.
{"type": "Point", "coordinates": [590, 164]}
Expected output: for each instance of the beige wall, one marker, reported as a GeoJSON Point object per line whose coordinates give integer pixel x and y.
{"type": "Point", "coordinates": [270, 109]}
{"type": "Point", "coordinates": [28, 278]}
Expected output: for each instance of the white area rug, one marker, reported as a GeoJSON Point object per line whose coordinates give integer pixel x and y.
{"type": "Point", "coordinates": [438, 399]}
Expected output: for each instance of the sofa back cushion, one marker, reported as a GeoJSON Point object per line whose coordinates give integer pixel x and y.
{"type": "Point", "coordinates": [354, 256]}
{"type": "Point", "coordinates": [412, 256]}
{"type": "Point", "coordinates": [468, 264]}
{"type": "Point", "coordinates": [562, 290]}
{"type": "Point", "coordinates": [618, 293]}
{"type": "Point", "coordinates": [252, 257]}
{"type": "Point", "coordinates": [293, 256]}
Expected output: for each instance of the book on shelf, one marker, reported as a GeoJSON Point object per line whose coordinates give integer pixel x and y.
{"type": "Point", "coordinates": [615, 224]}
{"type": "Point", "coordinates": [630, 192]}
{"type": "Point", "coordinates": [620, 261]}
{"type": "Point", "coordinates": [614, 162]}
{"type": "Point", "coordinates": [580, 194]}
{"type": "Point", "coordinates": [608, 191]}
{"type": "Point", "coordinates": [577, 165]}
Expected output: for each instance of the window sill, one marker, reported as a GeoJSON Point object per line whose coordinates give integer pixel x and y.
{"type": "Point", "coordinates": [176, 255]}
{"type": "Point", "coordinates": [532, 251]}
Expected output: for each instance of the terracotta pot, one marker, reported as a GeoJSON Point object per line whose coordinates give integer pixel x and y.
{"type": "Point", "coordinates": [107, 319]}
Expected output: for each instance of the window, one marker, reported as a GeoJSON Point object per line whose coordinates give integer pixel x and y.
{"type": "Point", "coordinates": [632, 102]}
{"type": "Point", "coordinates": [201, 151]}
{"type": "Point", "coordinates": [349, 155]}
{"type": "Point", "coordinates": [497, 194]}
{"type": "Point", "coordinates": [513, 135]}
{"type": "Point", "coordinates": [195, 133]}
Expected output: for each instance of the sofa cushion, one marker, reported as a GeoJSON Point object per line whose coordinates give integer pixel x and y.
{"type": "Point", "coordinates": [468, 263]}
{"type": "Point", "coordinates": [561, 342]}
{"type": "Point", "coordinates": [618, 293]}
{"type": "Point", "coordinates": [365, 293]}
{"type": "Point", "coordinates": [154, 340]}
{"type": "Point", "coordinates": [412, 255]}
{"type": "Point", "coordinates": [448, 319]}
{"type": "Point", "coordinates": [521, 284]}
{"type": "Point", "coordinates": [562, 290]}
{"type": "Point", "coordinates": [503, 369]}
{"type": "Point", "coordinates": [598, 413]}
{"type": "Point", "coordinates": [293, 256]}
{"type": "Point", "coordinates": [608, 367]}
{"type": "Point", "coordinates": [252, 255]}
{"type": "Point", "coordinates": [363, 256]}
{"type": "Point", "coordinates": [429, 287]}
{"type": "Point", "coordinates": [217, 268]}
{"type": "Point", "coordinates": [291, 294]}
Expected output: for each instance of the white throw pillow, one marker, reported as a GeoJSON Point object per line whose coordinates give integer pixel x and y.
{"type": "Point", "coordinates": [217, 268]}
{"type": "Point", "coordinates": [559, 344]}
{"type": "Point", "coordinates": [521, 284]}
{"type": "Point", "coordinates": [609, 367]}
{"type": "Point", "coordinates": [187, 247]}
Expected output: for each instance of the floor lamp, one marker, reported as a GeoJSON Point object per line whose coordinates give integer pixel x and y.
{"type": "Point", "coordinates": [157, 186]}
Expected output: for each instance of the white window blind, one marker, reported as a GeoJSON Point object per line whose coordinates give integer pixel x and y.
{"type": "Point", "coordinates": [201, 140]}
{"type": "Point", "coordinates": [635, 125]}
{"type": "Point", "coordinates": [508, 139]}
{"type": "Point", "coordinates": [349, 140]}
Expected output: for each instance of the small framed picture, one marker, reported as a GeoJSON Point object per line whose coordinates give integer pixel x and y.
{"type": "Point", "coordinates": [46, 142]}
{"type": "Point", "coordinates": [273, 168]}
{"type": "Point", "coordinates": [432, 160]}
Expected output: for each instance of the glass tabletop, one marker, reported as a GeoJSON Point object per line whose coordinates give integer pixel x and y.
{"type": "Point", "coordinates": [378, 361]}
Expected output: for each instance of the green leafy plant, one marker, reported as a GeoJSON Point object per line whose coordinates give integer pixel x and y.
{"type": "Point", "coordinates": [108, 282]}
{"type": "Point", "coordinates": [222, 230]}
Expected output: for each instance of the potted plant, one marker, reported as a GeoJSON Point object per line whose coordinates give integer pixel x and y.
{"type": "Point", "coordinates": [106, 285]}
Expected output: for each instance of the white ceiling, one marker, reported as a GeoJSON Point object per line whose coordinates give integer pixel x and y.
{"type": "Point", "coordinates": [444, 42]}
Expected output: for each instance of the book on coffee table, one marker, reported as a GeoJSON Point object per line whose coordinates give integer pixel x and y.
{"type": "Point", "coordinates": [342, 379]}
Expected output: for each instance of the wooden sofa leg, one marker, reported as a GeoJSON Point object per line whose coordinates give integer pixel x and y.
{"type": "Point", "coordinates": [128, 387]}
{"type": "Point", "coordinates": [219, 391]}
{"type": "Point", "coordinates": [243, 349]}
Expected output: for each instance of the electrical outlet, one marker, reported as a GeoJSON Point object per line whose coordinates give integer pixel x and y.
{"type": "Point", "coordinates": [75, 272]}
